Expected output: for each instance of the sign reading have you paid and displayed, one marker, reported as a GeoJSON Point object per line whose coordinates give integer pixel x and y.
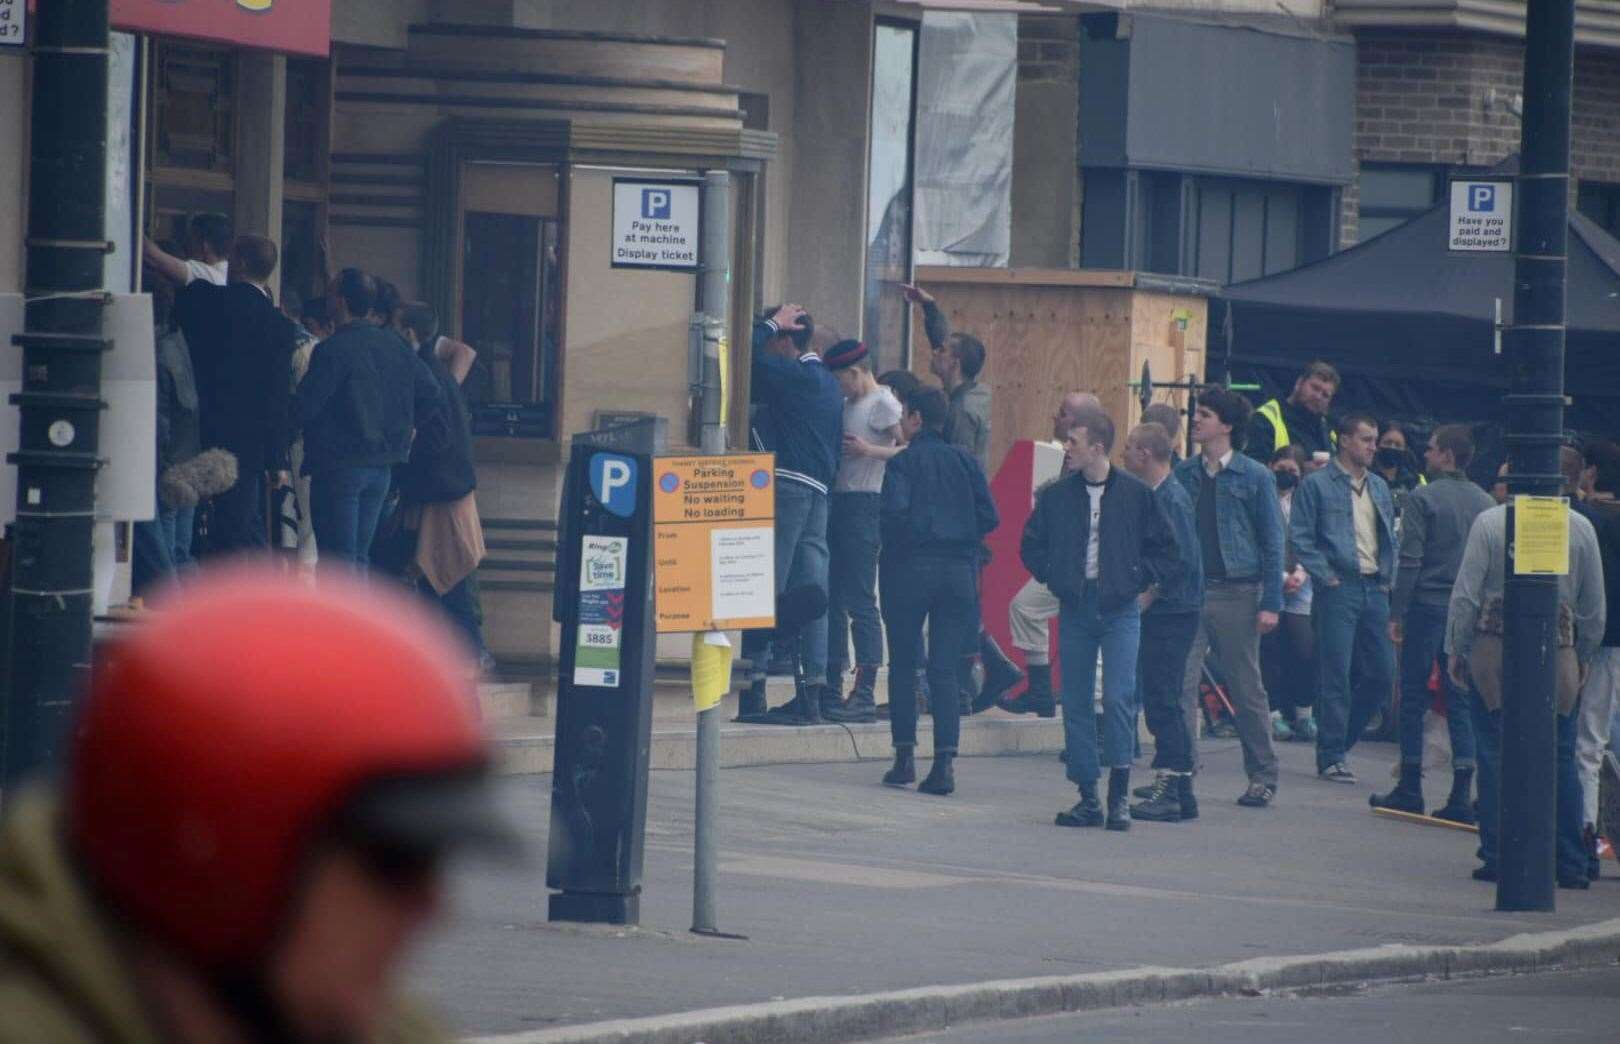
{"type": "Point", "coordinates": [1481, 216]}
{"type": "Point", "coordinates": [714, 542]}
{"type": "Point", "coordinates": [656, 224]}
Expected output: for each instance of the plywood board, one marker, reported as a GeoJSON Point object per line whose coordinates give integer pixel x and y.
{"type": "Point", "coordinates": [1045, 336]}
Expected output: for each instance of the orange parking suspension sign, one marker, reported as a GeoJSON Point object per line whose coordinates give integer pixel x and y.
{"type": "Point", "coordinates": [714, 542]}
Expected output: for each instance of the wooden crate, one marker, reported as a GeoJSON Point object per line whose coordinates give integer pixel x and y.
{"type": "Point", "coordinates": [1049, 331]}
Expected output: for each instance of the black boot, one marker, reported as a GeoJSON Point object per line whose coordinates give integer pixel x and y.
{"type": "Point", "coordinates": [1407, 795]}
{"type": "Point", "coordinates": [1119, 799]}
{"type": "Point", "coordinates": [1459, 807]}
{"type": "Point", "coordinates": [829, 702]}
{"type": "Point", "coordinates": [861, 707]}
{"type": "Point", "coordinates": [904, 771]}
{"type": "Point", "coordinates": [1161, 779]}
{"type": "Point", "coordinates": [1162, 803]}
{"type": "Point", "coordinates": [941, 780]}
{"type": "Point", "coordinates": [1184, 793]}
{"type": "Point", "coordinates": [803, 709]}
{"type": "Point", "coordinates": [1087, 812]}
{"type": "Point", "coordinates": [1000, 674]}
{"type": "Point", "coordinates": [751, 702]}
{"type": "Point", "coordinates": [1037, 698]}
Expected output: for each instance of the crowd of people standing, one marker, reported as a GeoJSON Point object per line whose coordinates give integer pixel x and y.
{"type": "Point", "coordinates": [1303, 576]}
{"type": "Point", "coordinates": [329, 434]}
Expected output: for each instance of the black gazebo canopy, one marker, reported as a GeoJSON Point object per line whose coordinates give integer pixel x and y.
{"type": "Point", "coordinates": [1412, 325]}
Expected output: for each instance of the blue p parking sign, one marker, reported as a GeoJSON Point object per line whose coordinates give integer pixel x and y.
{"type": "Point", "coordinates": [613, 481]}
{"type": "Point", "coordinates": [655, 204]}
{"type": "Point", "coordinates": [1482, 198]}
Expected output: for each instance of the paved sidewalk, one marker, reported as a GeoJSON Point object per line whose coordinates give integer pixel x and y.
{"type": "Point", "coordinates": [844, 886]}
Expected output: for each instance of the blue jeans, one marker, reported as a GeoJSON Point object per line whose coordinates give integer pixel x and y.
{"type": "Point", "coordinates": [852, 538]}
{"type": "Point", "coordinates": [1423, 637]}
{"type": "Point", "coordinates": [1352, 627]}
{"type": "Point", "coordinates": [1571, 854]}
{"type": "Point", "coordinates": [345, 505]}
{"type": "Point", "coordinates": [150, 560]}
{"type": "Point", "coordinates": [1083, 632]}
{"type": "Point", "coordinates": [180, 524]}
{"type": "Point", "coordinates": [801, 561]}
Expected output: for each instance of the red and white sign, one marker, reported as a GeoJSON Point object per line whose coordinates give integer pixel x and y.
{"type": "Point", "coordinates": [291, 26]}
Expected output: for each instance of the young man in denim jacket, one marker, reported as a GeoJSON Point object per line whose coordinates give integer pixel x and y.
{"type": "Point", "coordinates": [1240, 536]}
{"type": "Point", "coordinates": [1343, 529]}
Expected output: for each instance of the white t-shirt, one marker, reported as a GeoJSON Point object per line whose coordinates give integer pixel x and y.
{"type": "Point", "coordinates": [217, 273]}
{"type": "Point", "coordinates": [870, 419]}
{"type": "Point", "coordinates": [1093, 545]}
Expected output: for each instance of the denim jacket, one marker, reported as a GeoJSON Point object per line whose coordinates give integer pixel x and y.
{"type": "Point", "coordinates": [1324, 531]}
{"type": "Point", "coordinates": [1248, 521]}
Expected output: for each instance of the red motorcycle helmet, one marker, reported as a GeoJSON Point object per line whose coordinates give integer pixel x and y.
{"type": "Point", "coordinates": [220, 738]}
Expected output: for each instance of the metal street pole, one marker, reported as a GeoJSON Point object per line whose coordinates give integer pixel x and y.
{"type": "Point", "coordinates": [48, 643]}
{"type": "Point", "coordinates": [1525, 862]}
{"type": "Point", "coordinates": [716, 290]}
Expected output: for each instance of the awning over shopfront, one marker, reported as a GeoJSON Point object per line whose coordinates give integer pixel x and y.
{"type": "Point", "coordinates": [1241, 96]}
{"type": "Point", "coordinates": [291, 26]}
{"type": "Point", "coordinates": [1413, 326]}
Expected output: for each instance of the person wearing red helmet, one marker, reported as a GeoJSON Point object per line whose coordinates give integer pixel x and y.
{"type": "Point", "coordinates": [244, 843]}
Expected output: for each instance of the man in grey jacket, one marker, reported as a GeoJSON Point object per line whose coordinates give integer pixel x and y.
{"type": "Point", "coordinates": [1434, 531]}
{"type": "Point", "coordinates": [1474, 638]}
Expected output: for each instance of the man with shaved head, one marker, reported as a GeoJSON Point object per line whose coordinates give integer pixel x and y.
{"type": "Point", "coordinates": [1032, 610]}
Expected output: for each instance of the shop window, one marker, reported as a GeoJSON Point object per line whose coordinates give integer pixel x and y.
{"type": "Point", "coordinates": [1600, 201]}
{"type": "Point", "coordinates": [1392, 195]}
{"type": "Point", "coordinates": [194, 107]}
{"type": "Point", "coordinates": [1225, 229]}
{"type": "Point", "coordinates": [887, 325]}
{"type": "Point", "coordinates": [1249, 229]}
{"type": "Point", "coordinates": [511, 313]}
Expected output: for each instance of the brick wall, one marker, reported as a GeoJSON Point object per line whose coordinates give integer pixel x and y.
{"type": "Point", "coordinates": [1447, 99]}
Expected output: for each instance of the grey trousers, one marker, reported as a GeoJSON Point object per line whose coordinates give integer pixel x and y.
{"type": "Point", "coordinates": [1230, 633]}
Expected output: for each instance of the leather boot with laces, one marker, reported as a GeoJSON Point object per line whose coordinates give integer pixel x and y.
{"type": "Point", "coordinates": [1160, 780]}
{"type": "Point", "coordinates": [1162, 804]}
{"type": "Point", "coordinates": [1119, 799]}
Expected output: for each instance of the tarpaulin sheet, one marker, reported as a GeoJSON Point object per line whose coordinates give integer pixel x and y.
{"type": "Point", "coordinates": [968, 72]}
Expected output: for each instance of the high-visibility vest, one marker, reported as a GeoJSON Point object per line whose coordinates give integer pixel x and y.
{"type": "Point", "coordinates": [1271, 410]}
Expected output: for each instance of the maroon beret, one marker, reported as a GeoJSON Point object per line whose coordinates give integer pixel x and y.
{"type": "Point", "coordinates": [844, 353]}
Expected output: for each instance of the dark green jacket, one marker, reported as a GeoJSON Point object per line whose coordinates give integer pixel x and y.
{"type": "Point", "coordinates": [63, 979]}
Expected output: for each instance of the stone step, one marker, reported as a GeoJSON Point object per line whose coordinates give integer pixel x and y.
{"type": "Point", "coordinates": [525, 746]}
{"type": "Point", "coordinates": [504, 701]}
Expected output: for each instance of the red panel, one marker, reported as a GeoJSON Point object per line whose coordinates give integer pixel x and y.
{"type": "Point", "coordinates": [1006, 573]}
{"type": "Point", "coordinates": [292, 26]}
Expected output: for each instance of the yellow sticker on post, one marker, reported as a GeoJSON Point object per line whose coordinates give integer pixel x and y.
{"type": "Point", "coordinates": [1540, 536]}
{"type": "Point", "coordinates": [711, 669]}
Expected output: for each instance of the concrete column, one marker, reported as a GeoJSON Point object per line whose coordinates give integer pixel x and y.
{"type": "Point", "coordinates": [1045, 180]}
{"type": "Point", "coordinates": [261, 142]}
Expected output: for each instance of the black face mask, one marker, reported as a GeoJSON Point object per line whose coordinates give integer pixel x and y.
{"type": "Point", "coordinates": [1390, 457]}
{"type": "Point", "coordinates": [1286, 480]}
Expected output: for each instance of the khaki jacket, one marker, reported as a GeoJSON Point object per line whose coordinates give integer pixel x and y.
{"type": "Point", "coordinates": [62, 978]}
